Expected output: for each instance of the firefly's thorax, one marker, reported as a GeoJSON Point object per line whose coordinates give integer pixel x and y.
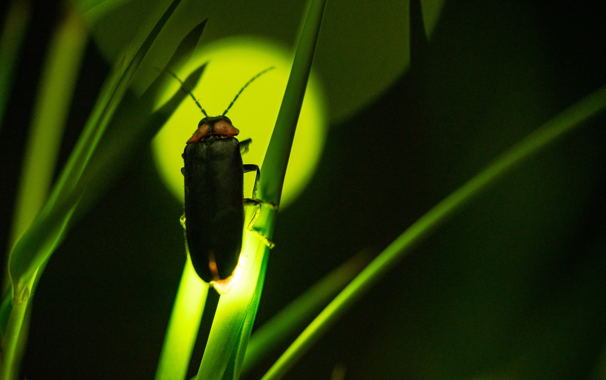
{"type": "Point", "coordinates": [219, 126]}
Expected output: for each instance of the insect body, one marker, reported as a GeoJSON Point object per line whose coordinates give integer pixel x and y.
{"type": "Point", "coordinates": [214, 203]}
{"type": "Point", "coordinates": [214, 211]}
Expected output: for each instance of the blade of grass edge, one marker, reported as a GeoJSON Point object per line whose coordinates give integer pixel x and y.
{"type": "Point", "coordinates": [234, 308]}
{"type": "Point", "coordinates": [183, 326]}
{"type": "Point", "coordinates": [563, 123]}
{"type": "Point", "coordinates": [190, 299]}
{"type": "Point", "coordinates": [234, 366]}
{"type": "Point", "coordinates": [238, 307]}
{"type": "Point", "coordinates": [276, 159]}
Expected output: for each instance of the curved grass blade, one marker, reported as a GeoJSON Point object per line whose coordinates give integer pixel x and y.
{"type": "Point", "coordinates": [278, 151]}
{"type": "Point", "coordinates": [183, 326]}
{"type": "Point", "coordinates": [564, 123]}
{"type": "Point", "coordinates": [235, 312]}
{"type": "Point", "coordinates": [234, 366]}
{"type": "Point", "coordinates": [94, 10]}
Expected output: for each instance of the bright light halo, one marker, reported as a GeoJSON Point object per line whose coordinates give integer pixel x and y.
{"type": "Point", "coordinates": [231, 63]}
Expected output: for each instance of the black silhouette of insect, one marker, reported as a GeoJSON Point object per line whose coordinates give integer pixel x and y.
{"type": "Point", "coordinates": [214, 201]}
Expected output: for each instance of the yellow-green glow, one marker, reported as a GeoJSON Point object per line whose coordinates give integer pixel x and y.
{"type": "Point", "coordinates": [231, 63]}
{"type": "Point", "coordinates": [224, 286]}
{"type": "Point", "coordinates": [183, 327]}
{"type": "Point", "coordinates": [234, 306]}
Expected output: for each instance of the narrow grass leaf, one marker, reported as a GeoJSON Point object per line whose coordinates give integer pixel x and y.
{"type": "Point", "coordinates": [236, 311]}
{"type": "Point", "coordinates": [94, 10]}
{"type": "Point", "coordinates": [123, 141]}
{"type": "Point", "coordinates": [278, 151]}
{"type": "Point", "coordinates": [234, 366]}
{"type": "Point", "coordinates": [134, 126]}
{"type": "Point", "coordinates": [226, 333]}
{"type": "Point", "coordinates": [183, 326]}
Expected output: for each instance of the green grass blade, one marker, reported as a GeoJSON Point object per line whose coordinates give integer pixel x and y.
{"type": "Point", "coordinates": [54, 95]}
{"type": "Point", "coordinates": [127, 136]}
{"type": "Point", "coordinates": [183, 326]}
{"type": "Point", "coordinates": [234, 366]}
{"type": "Point", "coordinates": [278, 151]}
{"type": "Point", "coordinates": [130, 139]}
{"type": "Point", "coordinates": [236, 311]}
{"type": "Point", "coordinates": [293, 317]}
{"type": "Point", "coordinates": [94, 10]}
{"type": "Point", "coordinates": [564, 123]}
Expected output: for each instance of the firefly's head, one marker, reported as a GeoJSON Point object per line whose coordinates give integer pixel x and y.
{"type": "Point", "coordinates": [214, 126]}
{"type": "Point", "coordinates": [219, 126]}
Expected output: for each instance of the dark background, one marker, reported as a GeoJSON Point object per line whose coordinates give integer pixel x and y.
{"type": "Point", "coordinates": [512, 287]}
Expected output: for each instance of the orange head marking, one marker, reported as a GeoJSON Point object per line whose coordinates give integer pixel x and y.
{"type": "Point", "coordinates": [213, 126]}
{"type": "Point", "coordinates": [225, 128]}
{"type": "Point", "coordinates": [200, 133]}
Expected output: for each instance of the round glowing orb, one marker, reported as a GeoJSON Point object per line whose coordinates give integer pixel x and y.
{"type": "Point", "coordinates": [231, 63]}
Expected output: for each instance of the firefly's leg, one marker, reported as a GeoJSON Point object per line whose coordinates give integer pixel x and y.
{"type": "Point", "coordinates": [244, 146]}
{"type": "Point", "coordinates": [249, 168]}
{"type": "Point", "coordinates": [259, 203]}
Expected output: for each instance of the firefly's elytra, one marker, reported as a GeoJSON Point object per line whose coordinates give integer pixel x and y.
{"type": "Point", "coordinates": [214, 210]}
{"type": "Point", "coordinates": [214, 199]}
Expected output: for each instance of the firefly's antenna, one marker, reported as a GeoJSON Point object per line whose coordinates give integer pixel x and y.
{"type": "Point", "coordinates": [246, 85]}
{"type": "Point", "coordinates": [187, 91]}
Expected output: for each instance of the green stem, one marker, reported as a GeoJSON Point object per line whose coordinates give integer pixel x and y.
{"type": "Point", "coordinates": [183, 326]}
{"type": "Point", "coordinates": [278, 151]}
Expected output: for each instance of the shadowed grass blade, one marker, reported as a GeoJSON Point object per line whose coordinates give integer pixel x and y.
{"type": "Point", "coordinates": [183, 327]}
